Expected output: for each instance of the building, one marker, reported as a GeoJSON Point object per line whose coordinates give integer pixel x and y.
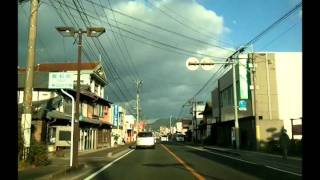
{"type": "Point", "coordinates": [197, 109]}
{"type": "Point", "coordinates": [206, 123]}
{"type": "Point", "coordinates": [129, 126]}
{"type": "Point", "coordinates": [52, 109]}
{"type": "Point", "coordinates": [269, 97]}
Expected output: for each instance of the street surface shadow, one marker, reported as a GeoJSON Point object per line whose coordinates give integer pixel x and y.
{"type": "Point", "coordinates": [258, 171]}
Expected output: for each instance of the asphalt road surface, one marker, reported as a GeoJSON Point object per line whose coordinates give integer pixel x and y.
{"type": "Point", "coordinates": [177, 161]}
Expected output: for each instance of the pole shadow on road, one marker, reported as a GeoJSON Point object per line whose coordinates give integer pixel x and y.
{"type": "Point", "coordinates": [258, 171]}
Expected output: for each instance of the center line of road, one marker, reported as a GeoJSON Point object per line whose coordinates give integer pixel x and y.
{"type": "Point", "coordinates": [190, 169]}
{"type": "Point", "coordinates": [106, 166]}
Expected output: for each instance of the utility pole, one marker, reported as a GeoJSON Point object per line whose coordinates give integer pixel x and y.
{"type": "Point", "coordinates": [170, 124]}
{"type": "Point", "coordinates": [235, 102]}
{"type": "Point", "coordinates": [27, 96]}
{"type": "Point", "coordinates": [138, 84]}
{"type": "Point", "coordinates": [70, 31]}
{"type": "Point", "coordinates": [195, 119]}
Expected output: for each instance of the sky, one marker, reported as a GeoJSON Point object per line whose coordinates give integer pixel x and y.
{"type": "Point", "coordinates": [151, 40]}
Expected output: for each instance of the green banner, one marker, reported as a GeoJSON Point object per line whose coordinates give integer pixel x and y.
{"type": "Point", "coordinates": [243, 78]}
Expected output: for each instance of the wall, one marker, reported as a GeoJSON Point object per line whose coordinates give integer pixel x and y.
{"type": "Point", "coordinates": [289, 87]}
{"type": "Point", "coordinates": [266, 62]}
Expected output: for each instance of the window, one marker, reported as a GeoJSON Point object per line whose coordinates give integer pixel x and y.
{"type": "Point", "coordinates": [64, 135]}
{"type": "Point", "coordinates": [226, 97]}
{"type": "Point", "coordinates": [145, 134]}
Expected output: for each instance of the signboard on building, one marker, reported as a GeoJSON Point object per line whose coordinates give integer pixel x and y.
{"type": "Point", "coordinates": [116, 115]}
{"type": "Point", "coordinates": [60, 80]}
{"type": "Point", "coordinates": [242, 105]}
{"type": "Point", "coordinates": [243, 78]}
{"type": "Point", "coordinates": [297, 129]}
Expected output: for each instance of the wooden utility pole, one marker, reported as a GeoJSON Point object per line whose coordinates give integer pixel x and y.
{"type": "Point", "coordinates": [27, 96]}
{"type": "Point", "coordinates": [138, 84]}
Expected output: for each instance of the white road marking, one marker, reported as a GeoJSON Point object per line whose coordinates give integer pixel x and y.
{"type": "Point", "coordinates": [284, 171]}
{"type": "Point", "coordinates": [106, 166]}
{"type": "Point", "coordinates": [244, 161]}
{"type": "Point", "coordinates": [223, 155]}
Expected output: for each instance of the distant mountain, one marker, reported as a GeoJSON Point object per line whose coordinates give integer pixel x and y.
{"type": "Point", "coordinates": [161, 122]}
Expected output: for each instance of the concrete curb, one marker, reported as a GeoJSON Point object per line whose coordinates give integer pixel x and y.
{"type": "Point", "coordinates": [223, 151]}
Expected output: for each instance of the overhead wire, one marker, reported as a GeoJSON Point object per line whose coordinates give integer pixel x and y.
{"type": "Point", "coordinates": [161, 28]}
{"type": "Point", "coordinates": [85, 52]}
{"type": "Point", "coordinates": [211, 36]}
{"type": "Point", "coordinates": [125, 45]}
{"type": "Point", "coordinates": [256, 38]}
{"type": "Point", "coordinates": [152, 40]}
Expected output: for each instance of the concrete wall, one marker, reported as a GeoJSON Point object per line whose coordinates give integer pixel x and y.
{"type": "Point", "coordinates": [215, 105]}
{"type": "Point", "coordinates": [266, 93]}
{"type": "Point", "coordinates": [289, 87]}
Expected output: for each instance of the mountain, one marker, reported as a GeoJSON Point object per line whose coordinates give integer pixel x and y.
{"type": "Point", "coordinates": [161, 122]}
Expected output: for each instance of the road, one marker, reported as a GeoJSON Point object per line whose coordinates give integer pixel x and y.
{"type": "Point", "coordinates": [177, 161]}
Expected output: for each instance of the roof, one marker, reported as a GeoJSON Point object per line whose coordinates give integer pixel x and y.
{"type": "Point", "coordinates": [39, 108]}
{"type": "Point", "coordinates": [60, 115]}
{"type": "Point", "coordinates": [208, 109]}
{"type": "Point", "coordinates": [91, 96]}
{"type": "Point", "coordinates": [62, 67]}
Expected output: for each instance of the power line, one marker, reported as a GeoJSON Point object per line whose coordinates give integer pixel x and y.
{"type": "Point", "coordinates": [125, 45]}
{"type": "Point", "coordinates": [241, 49]}
{"type": "Point", "coordinates": [280, 35]}
{"type": "Point", "coordinates": [89, 59]}
{"type": "Point", "coordinates": [184, 24]}
{"type": "Point", "coordinates": [161, 28]}
{"type": "Point", "coordinates": [252, 41]}
{"type": "Point", "coordinates": [155, 41]}
{"type": "Point", "coordinates": [104, 51]}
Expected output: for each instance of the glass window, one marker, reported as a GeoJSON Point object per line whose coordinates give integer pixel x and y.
{"type": "Point", "coordinates": [145, 134]}
{"type": "Point", "coordinates": [64, 135]}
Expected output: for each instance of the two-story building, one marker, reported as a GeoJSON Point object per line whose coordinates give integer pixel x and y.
{"type": "Point", "coordinates": [52, 109]}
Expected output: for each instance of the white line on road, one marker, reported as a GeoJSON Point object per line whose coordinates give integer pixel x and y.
{"type": "Point", "coordinates": [284, 171]}
{"type": "Point", "coordinates": [222, 155]}
{"type": "Point", "coordinates": [106, 166]}
{"type": "Point", "coordinates": [244, 161]}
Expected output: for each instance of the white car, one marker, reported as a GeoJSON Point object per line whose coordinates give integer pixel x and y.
{"type": "Point", "coordinates": [164, 138]}
{"type": "Point", "coordinates": [145, 139]}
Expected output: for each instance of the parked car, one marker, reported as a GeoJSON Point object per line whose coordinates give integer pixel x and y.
{"type": "Point", "coordinates": [145, 139]}
{"type": "Point", "coordinates": [180, 138]}
{"type": "Point", "coordinates": [164, 138]}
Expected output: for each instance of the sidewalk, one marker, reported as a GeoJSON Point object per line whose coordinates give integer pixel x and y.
{"type": "Point", "coordinates": [59, 166]}
{"type": "Point", "coordinates": [292, 164]}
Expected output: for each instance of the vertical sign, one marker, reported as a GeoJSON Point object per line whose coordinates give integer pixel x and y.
{"type": "Point", "coordinates": [115, 115]}
{"type": "Point", "coordinates": [243, 78]}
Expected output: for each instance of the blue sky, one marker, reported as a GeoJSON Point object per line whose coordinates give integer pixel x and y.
{"type": "Point", "coordinates": [247, 18]}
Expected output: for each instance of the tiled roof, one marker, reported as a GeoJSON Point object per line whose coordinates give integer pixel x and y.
{"type": "Point", "coordinates": [62, 67]}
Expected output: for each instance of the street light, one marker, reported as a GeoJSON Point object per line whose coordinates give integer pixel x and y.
{"type": "Point", "coordinates": [70, 32]}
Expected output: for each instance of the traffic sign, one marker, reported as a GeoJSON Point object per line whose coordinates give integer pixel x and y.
{"type": "Point", "coordinates": [192, 63]}
{"type": "Point", "coordinates": [207, 64]}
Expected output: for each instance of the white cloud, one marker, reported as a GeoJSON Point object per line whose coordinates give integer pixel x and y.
{"type": "Point", "coordinates": [167, 82]}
